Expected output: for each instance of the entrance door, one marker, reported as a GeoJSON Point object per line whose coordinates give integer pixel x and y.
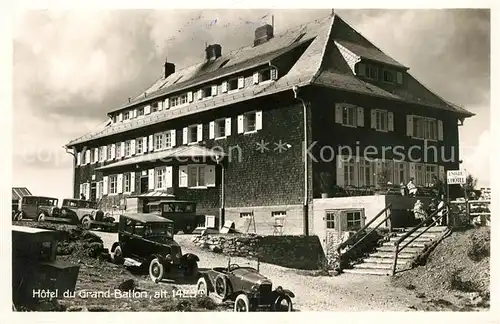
{"type": "Point", "coordinates": [144, 185]}
{"type": "Point", "coordinates": [93, 192]}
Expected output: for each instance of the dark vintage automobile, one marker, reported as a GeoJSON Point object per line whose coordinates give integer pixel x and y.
{"type": "Point", "coordinates": [40, 209]}
{"type": "Point", "coordinates": [147, 241]}
{"type": "Point", "coordinates": [36, 274]}
{"type": "Point", "coordinates": [181, 212]}
{"type": "Point", "coordinates": [249, 289]}
{"type": "Point", "coordinates": [87, 213]}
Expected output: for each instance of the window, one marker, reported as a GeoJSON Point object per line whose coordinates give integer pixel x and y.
{"type": "Point", "coordinates": [419, 174]}
{"type": "Point", "coordinates": [353, 221]}
{"type": "Point", "coordinates": [430, 170]}
{"type": "Point", "coordinates": [154, 107]}
{"type": "Point", "coordinates": [113, 181]}
{"type": "Point", "coordinates": [220, 128]}
{"type": "Point", "coordinates": [400, 173]}
{"type": "Point", "coordinates": [349, 116]}
{"type": "Point", "coordinates": [160, 178]}
{"type": "Point", "coordinates": [118, 149]}
{"type": "Point", "coordinates": [349, 172]}
{"type": "Point", "coordinates": [159, 143]}
{"type": "Point", "coordinates": [109, 148]}
{"type": "Point", "coordinates": [193, 134]}
{"type": "Point", "coordinates": [138, 145]}
{"type": "Point", "coordinates": [128, 145]}
{"type": "Point", "coordinates": [371, 72]}
{"type": "Point", "coordinates": [101, 153]}
{"type": "Point", "coordinates": [196, 176]}
{"type": "Point", "coordinates": [206, 92]}
{"type": "Point", "coordinates": [126, 182]}
{"type": "Point", "coordinates": [246, 215]}
{"type": "Point", "coordinates": [265, 75]}
{"type": "Point", "coordinates": [174, 101]}
{"type": "Point", "coordinates": [115, 118]}
{"type": "Point", "coordinates": [425, 128]}
{"type": "Point", "coordinates": [330, 220]}
{"type": "Point", "coordinates": [388, 166]}
{"type": "Point", "coordinates": [183, 99]}
{"type": "Point", "coordinates": [389, 76]}
{"type": "Point", "coordinates": [232, 84]}
{"type": "Point", "coordinates": [168, 140]}
{"type": "Point", "coordinates": [381, 120]}
{"type": "Point", "coordinates": [249, 122]}
{"type": "Point", "coordinates": [278, 214]}
{"type": "Point", "coordinates": [140, 111]}
{"type": "Point", "coordinates": [366, 174]}
{"type": "Point", "coordinates": [126, 115]}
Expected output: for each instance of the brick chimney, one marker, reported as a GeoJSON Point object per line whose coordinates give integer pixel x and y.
{"type": "Point", "coordinates": [213, 52]}
{"type": "Point", "coordinates": [169, 68]}
{"type": "Point", "coordinates": [263, 34]}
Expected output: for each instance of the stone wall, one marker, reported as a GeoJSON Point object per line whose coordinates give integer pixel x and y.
{"type": "Point", "coordinates": [291, 251]}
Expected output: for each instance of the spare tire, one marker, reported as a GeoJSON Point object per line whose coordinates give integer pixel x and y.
{"type": "Point", "coordinates": [220, 286]}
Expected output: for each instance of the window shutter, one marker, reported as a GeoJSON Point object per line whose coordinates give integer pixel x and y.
{"type": "Point", "coordinates": [81, 189]}
{"type": "Point", "coordinates": [412, 170]}
{"type": "Point", "coordinates": [172, 137]}
{"type": "Point", "coordinates": [256, 77]}
{"type": "Point", "coordinates": [199, 133]}
{"type": "Point", "coordinates": [167, 103]}
{"type": "Point", "coordinates": [361, 69]}
{"type": "Point", "coordinates": [160, 105]}
{"type": "Point", "coordinates": [168, 177]}
{"type": "Point", "coordinates": [183, 176]}
{"type": "Point", "coordinates": [120, 117]}
{"type": "Point", "coordinates": [240, 124]}
{"type": "Point", "coordinates": [122, 149]}
{"type": "Point", "coordinates": [105, 155]}
{"type": "Point", "coordinates": [87, 191]}
{"type": "Point", "coordinates": [399, 77]}
{"type": "Point", "coordinates": [132, 147]}
{"type": "Point", "coordinates": [340, 171]}
{"type": "Point", "coordinates": [373, 119]}
{"type": "Point", "coordinates": [98, 190]}
{"type": "Point", "coordinates": [210, 175]}
{"type": "Point", "coordinates": [132, 182]}
{"type": "Point", "coordinates": [258, 120]}
{"type": "Point", "coordinates": [440, 130]}
{"type": "Point", "coordinates": [409, 125]}
{"type": "Point", "coordinates": [361, 117]}
{"type": "Point", "coordinates": [185, 135]}
{"type": "Point", "coordinates": [78, 158]}
{"type": "Point", "coordinates": [105, 185]}
{"type": "Point", "coordinates": [228, 126]}
{"type": "Point", "coordinates": [144, 145]}
{"type": "Point", "coordinates": [378, 168]}
{"type": "Point", "coordinates": [119, 183]}
{"type": "Point", "coordinates": [151, 179]}
{"type": "Point", "coordinates": [390, 121]}
{"type": "Point", "coordinates": [190, 96]}
{"type": "Point", "coordinates": [241, 82]}
{"type": "Point", "coordinates": [224, 86]}
{"type": "Point", "coordinates": [150, 143]}
{"type": "Point", "coordinates": [214, 90]}
{"type": "Point", "coordinates": [200, 94]}
{"type": "Point", "coordinates": [211, 130]}
{"type": "Point", "coordinates": [134, 113]}
{"type": "Point", "coordinates": [338, 114]}
{"type": "Point", "coordinates": [274, 74]}
{"type": "Point", "coordinates": [147, 110]}
{"type": "Point", "coordinates": [113, 151]}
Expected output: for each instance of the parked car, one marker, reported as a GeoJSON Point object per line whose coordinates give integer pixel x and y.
{"type": "Point", "coordinates": [40, 209]}
{"type": "Point", "coordinates": [87, 213]}
{"type": "Point", "coordinates": [147, 241]}
{"type": "Point", "coordinates": [35, 267]}
{"type": "Point", "coordinates": [181, 212]}
{"type": "Point", "coordinates": [246, 287]}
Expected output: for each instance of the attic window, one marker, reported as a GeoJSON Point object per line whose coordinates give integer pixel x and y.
{"type": "Point", "coordinates": [389, 76]}
{"type": "Point", "coordinates": [174, 101]}
{"type": "Point", "coordinates": [140, 111]}
{"type": "Point", "coordinates": [207, 92]}
{"type": "Point", "coordinates": [126, 115]}
{"type": "Point", "coordinates": [298, 38]}
{"type": "Point", "coordinates": [183, 98]}
{"type": "Point", "coordinates": [232, 84]}
{"type": "Point", "coordinates": [154, 107]}
{"type": "Point", "coordinates": [223, 63]}
{"type": "Point", "coordinates": [265, 75]}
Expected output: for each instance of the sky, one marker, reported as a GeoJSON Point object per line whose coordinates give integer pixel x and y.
{"type": "Point", "coordinates": [71, 67]}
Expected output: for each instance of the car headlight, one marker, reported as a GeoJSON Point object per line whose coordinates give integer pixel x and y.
{"type": "Point", "coordinates": [168, 257]}
{"type": "Point", "coordinates": [255, 287]}
{"type": "Point", "coordinates": [178, 255]}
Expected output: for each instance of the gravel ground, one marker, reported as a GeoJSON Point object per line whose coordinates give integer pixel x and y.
{"type": "Point", "coordinates": [347, 292]}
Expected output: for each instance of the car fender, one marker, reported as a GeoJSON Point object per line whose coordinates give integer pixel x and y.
{"type": "Point", "coordinates": [191, 257]}
{"type": "Point", "coordinates": [209, 282]}
{"type": "Point", "coordinates": [114, 246]}
{"type": "Point", "coordinates": [288, 293]}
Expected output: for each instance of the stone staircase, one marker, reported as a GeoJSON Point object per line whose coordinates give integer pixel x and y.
{"type": "Point", "coordinates": [380, 262]}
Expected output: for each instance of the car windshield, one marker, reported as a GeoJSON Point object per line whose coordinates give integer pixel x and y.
{"type": "Point", "coordinates": [159, 229]}
{"type": "Point", "coordinates": [47, 202]}
{"type": "Point", "coordinates": [79, 204]}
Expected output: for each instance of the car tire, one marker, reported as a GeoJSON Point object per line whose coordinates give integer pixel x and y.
{"type": "Point", "coordinates": [188, 229]}
{"type": "Point", "coordinates": [156, 270]}
{"type": "Point", "coordinates": [19, 216]}
{"type": "Point", "coordinates": [202, 287]}
{"type": "Point", "coordinates": [242, 303]}
{"type": "Point", "coordinates": [86, 222]}
{"type": "Point", "coordinates": [279, 307]}
{"type": "Point", "coordinates": [117, 255]}
{"type": "Point", "coordinates": [41, 217]}
{"type": "Point", "coordinates": [220, 284]}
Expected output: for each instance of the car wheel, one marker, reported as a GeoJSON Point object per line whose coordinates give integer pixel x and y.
{"type": "Point", "coordinates": [283, 304]}
{"type": "Point", "coordinates": [156, 270]}
{"type": "Point", "coordinates": [41, 217]}
{"type": "Point", "coordinates": [117, 255]}
{"type": "Point", "coordinates": [221, 286]}
{"type": "Point", "coordinates": [19, 216]}
{"type": "Point", "coordinates": [202, 287]}
{"type": "Point", "coordinates": [242, 304]}
{"type": "Point", "coordinates": [188, 229]}
{"type": "Point", "coordinates": [86, 222]}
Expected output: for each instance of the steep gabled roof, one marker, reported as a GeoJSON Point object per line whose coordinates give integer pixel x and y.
{"type": "Point", "coordinates": [320, 64]}
{"type": "Point", "coordinates": [19, 192]}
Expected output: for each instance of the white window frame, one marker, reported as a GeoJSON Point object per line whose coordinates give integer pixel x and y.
{"type": "Point", "coordinates": [118, 150]}
{"type": "Point", "coordinates": [183, 99]}
{"type": "Point", "coordinates": [350, 111]}
{"type": "Point", "coordinates": [139, 149]}
{"type": "Point", "coordinates": [167, 139]}
{"type": "Point", "coordinates": [127, 182]}
{"type": "Point", "coordinates": [355, 220]}
{"type": "Point", "coordinates": [381, 120]}
{"type": "Point", "coordinates": [160, 180]}
{"type": "Point", "coordinates": [371, 72]}
{"type": "Point", "coordinates": [430, 170]}
{"type": "Point", "coordinates": [113, 179]}
{"type": "Point", "coordinates": [365, 166]}
{"type": "Point", "coordinates": [200, 173]}
{"type": "Point", "coordinates": [422, 128]}
{"type": "Point", "coordinates": [109, 149]}
{"type": "Point", "coordinates": [101, 153]}
{"type": "Point", "coordinates": [159, 141]}
{"type": "Point", "coordinates": [246, 129]}
{"type": "Point", "coordinates": [217, 124]}
{"type": "Point", "coordinates": [190, 134]}
{"type": "Point", "coordinates": [174, 101]}
{"type": "Point", "coordinates": [140, 112]}
{"type": "Point", "coordinates": [330, 219]}
{"type": "Point", "coordinates": [349, 169]}
{"type": "Point", "coordinates": [128, 148]}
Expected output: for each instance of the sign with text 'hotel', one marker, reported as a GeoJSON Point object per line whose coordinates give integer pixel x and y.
{"type": "Point", "coordinates": [456, 177]}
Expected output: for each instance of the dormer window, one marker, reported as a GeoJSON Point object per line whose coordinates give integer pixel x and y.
{"type": "Point", "coordinates": [265, 75]}
{"type": "Point", "coordinates": [174, 101]}
{"type": "Point", "coordinates": [371, 72]}
{"type": "Point", "coordinates": [183, 99]}
{"type": "Point", "coordinates": [126, 115]}
{"type": "Point", "coordinates": [154, 107]}
{"type": "Point", "coordinates": [140, 111]}
{"type": "Point", "coordinates": [232, 84]}
{"type": "Point", "coordinates": [389, 76]}
{"type": "Point", "coordinates": [206, 92]}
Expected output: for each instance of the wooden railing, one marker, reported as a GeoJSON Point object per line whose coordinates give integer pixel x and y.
{"type": "Point", "coordinates": [355, 240]}
{"type": "Point", "coordinates": [471, 204]}
{"type": "Point", "coordinates": [423, 223]}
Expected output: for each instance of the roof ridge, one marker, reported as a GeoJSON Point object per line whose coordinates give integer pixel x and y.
{"type": "Point", "coordinates": [323, 52]}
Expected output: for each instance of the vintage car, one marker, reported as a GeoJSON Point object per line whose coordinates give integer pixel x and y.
{"type": "Point", "coordinates": [147, 241]}
{"type": "Point", "coordinates": [40, 209]}
{"type": "Point", "coordinates": [181, 212]}
{"type": "Point", "coordinates": [249, 289]}
{"type": "Point", "coordinates": [85, 212]}
{"type": "Point", "coordinates": [35, 269]}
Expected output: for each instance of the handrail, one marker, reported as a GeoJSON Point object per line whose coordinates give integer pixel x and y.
{"type": "Point", "coordinates": [346, 242]}
{"type": "Point", "coordinates": [397, 250]}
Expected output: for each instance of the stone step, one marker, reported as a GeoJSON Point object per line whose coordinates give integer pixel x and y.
{"type": "Point", "coordinates": [385, 260]}
{"type": "Point", "coordinates": [420, 239]}
{"type": "Point", "coordinates": [390, 255]}
{"type": "Point", "coordinates": [376, 272]}
{"type": "Point", "coordinates": [370, 265]}
{"type": "Point", "coordinates": [412, 244]}
{"type": "Point", "coordinates": [423, 235]}
{"type": "Point", "coordinates": [391, 248]}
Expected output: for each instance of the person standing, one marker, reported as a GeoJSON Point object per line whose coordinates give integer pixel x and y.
{"type": "Point", "coordinates": [412, 188]}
